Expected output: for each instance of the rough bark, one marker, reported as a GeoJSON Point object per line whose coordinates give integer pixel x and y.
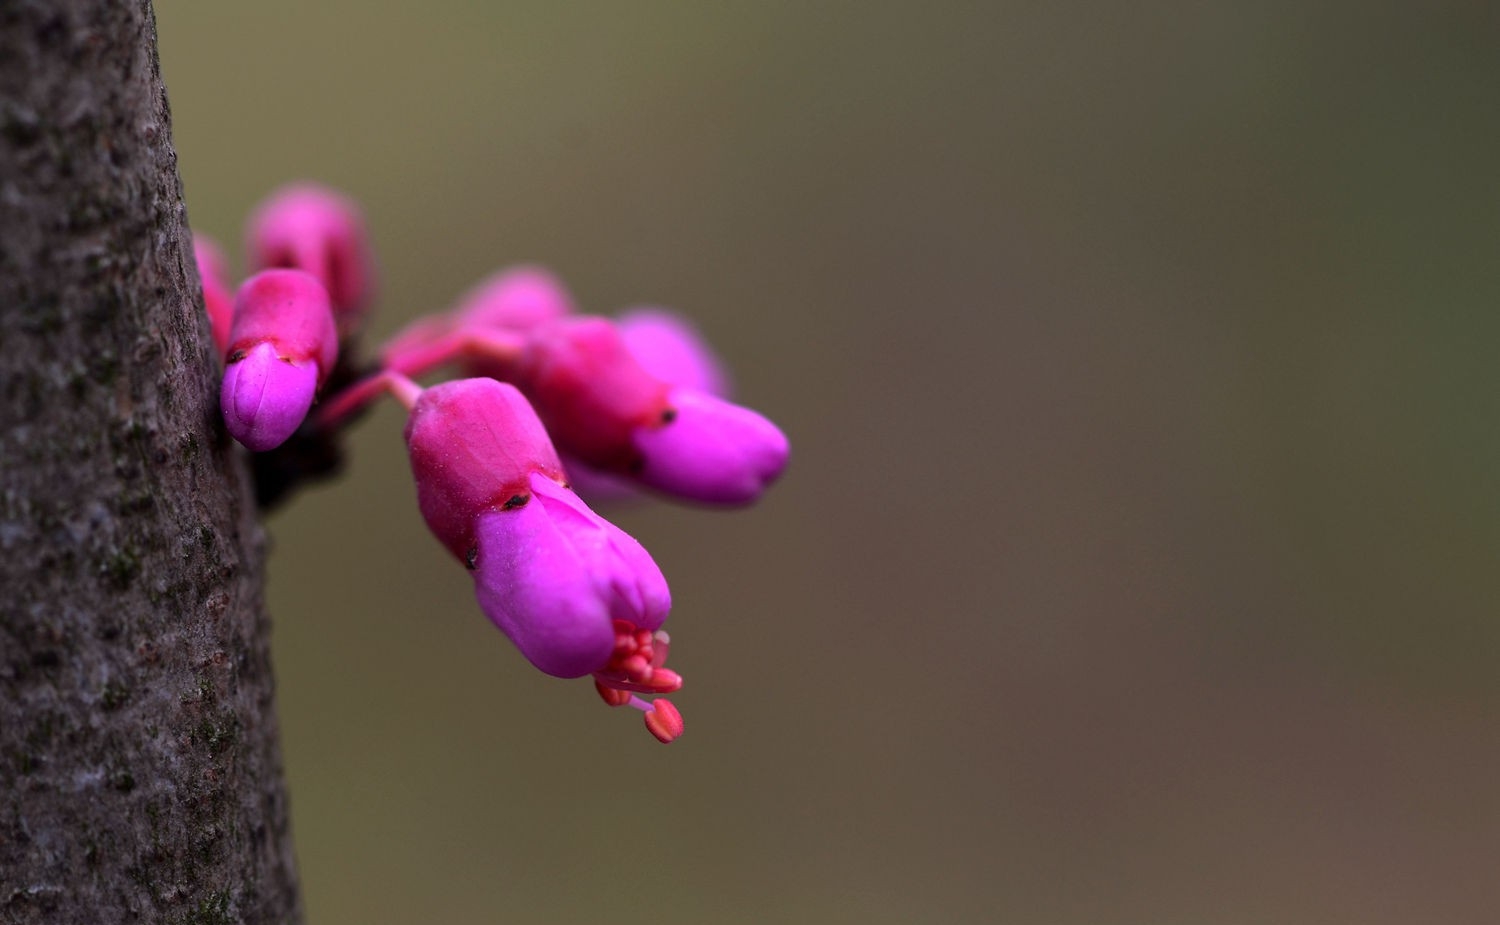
{"type": "Point", "coordinates": [140, 775]}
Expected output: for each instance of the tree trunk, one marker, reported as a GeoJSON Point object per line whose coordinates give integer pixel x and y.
{"type": "Point", "coordinates": [140, 774]}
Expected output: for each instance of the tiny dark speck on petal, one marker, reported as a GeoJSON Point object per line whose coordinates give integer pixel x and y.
{"type": "Point", "coordinates": [669, 415]}
{"type": "Point", "coordinates": [516, 501]}
{"type": "Point", "coordinates": [471, 560]}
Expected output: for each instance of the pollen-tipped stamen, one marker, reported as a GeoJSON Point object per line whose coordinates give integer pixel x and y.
{"type": "Point", "coordinates": [664, 721]}
{"type": "Point", "coordinates": [636, 665]}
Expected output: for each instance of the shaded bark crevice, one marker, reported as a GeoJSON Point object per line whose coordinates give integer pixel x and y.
{"type": "Point", "coordinates": [140, 773]}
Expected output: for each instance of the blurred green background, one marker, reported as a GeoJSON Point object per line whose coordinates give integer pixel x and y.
{"type": "Point", "coordinates": [1138, 558]}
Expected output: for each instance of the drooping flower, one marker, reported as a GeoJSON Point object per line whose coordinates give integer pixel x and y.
{"type": "Point", "coordinates": [282, 346]}
{"type": "Point", "coordinates": [574, 593]}
{"type": "Point", "coordinates": [602, 406]}
{"type": "Point", "coordinates": [517, 298]}
{"type": "Point", "coordinates": [311, 228]}
{"type": "Point", "coordinates": [669, 347]}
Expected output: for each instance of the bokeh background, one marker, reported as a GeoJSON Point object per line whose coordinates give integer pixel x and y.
{"type": "Point", "coordinates": [1138, 560]}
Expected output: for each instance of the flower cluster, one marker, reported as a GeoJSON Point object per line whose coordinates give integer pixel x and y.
{"type": "Point", "coordinates": [551, 403]}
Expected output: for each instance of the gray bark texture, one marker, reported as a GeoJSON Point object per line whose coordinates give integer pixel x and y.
{"type": "Point", "coordinates": [140, 772]}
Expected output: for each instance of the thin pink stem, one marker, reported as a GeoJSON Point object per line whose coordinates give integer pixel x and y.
{"type": "Point", "coordinates": [496, 346]}
{"type": "Point", "coordinates": [356, 397]}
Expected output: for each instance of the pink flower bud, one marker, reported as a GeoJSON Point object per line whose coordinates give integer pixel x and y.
{"type": "Point", "coordinates": [711, 451]}
{"type": "Point", "coordinates": [560, 581]}
{"type": "Point", "coordinates": [590, 390]}
{"type": "Point", "coordinates": [213, 272]}
{"type": "Point", "coordinates": [282, 346]}
{"type": "Point", "coordinates": [265, 397]}
{"type": "Point", "coordinates": [670, 348]}
{"type": "Point", "coordinates": [518, 298]}
{"type": "Point", "coordinates": [314, 229]}
{"type": "Point", "coordinates": [605, 409]}
{"type": "Point", "coordinates": [474, 444]}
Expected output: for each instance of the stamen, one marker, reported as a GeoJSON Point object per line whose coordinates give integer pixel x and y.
{"type": "Point", "coordinates": [663, 681]}
{"type": "Point", "coordinates": [636, 662]}
{"type": "Point", "coordinates": [612, 695]}
{"type": "Point", "coordinates": [664, 721]}
{"type": "Point", "coordinates": [636, 667]}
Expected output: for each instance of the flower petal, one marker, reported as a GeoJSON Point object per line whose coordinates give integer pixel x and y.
{"type": "Point", "coordinates": [265, 397]}
{"type": "Point", "coordinates": [671, 349]}
{"type": "Point", "coordinates": [711, 451]}
{"type": "Point", "coordinates": [553, 575]}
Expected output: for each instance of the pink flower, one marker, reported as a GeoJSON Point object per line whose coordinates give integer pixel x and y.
{"type": "Point", "coordinates": [669, 347]}
{"type": "Point", "coordinates": [282, 346]}
{"type": "Point", "coordinates": [474, 444]}
{"type": "Point", "coordinates": [518, 298]}
{"type": "Point", "coordinates": [602, 406]}
{"type": "Point", "coordinates": [574, 593]}
{"type": "Point", "coordinates": [314, 229]}
{"type": "Point", "coordinates": [213, 272]}
{"type": "Point", "coordinates": [589, 389]}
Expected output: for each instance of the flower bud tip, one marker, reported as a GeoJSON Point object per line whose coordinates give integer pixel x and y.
{"type": "Point", "coordinates": [266, 397]}
{"type": "Point", "coordinates": [711, 451]}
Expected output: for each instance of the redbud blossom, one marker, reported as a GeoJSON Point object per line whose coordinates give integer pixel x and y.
{"type": "Point", "coordinates": [282, 346]}
{"type": "Point", "coordinates": [473, 445]}
{"type": "Point", "coordinates": [591, 392]}
{"type": "Point", "coordinates": [574, 593]}
{"type": "Point", "coordinates": [213, 272]}
{"type": "Point", "coordinates": [670, 348]}
{"type": "Point", "coordinates": [602, 406]}
{"type": "Point", "coordinates": [314, 229]}
{"type": "Point", "coordinates": [517, 298]}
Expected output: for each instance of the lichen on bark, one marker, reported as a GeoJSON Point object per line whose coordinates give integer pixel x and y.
{"type": "Point", "coordinates": [140, 773]}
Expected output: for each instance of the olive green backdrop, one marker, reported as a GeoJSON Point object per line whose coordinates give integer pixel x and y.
{"type": "Point", "coordinates": [1138, 557]}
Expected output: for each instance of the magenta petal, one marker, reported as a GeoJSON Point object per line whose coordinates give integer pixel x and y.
{"type": "Point", "coordinates": [553, 575]}
{"type": "Point", "coordinates": [713, 451]}
{"type": "Point", "coordinates": [671, 349]}
{"type": "Point", "coordinates": [265, 398]}
{"type": "Point", "coordinates": [639, 591]}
